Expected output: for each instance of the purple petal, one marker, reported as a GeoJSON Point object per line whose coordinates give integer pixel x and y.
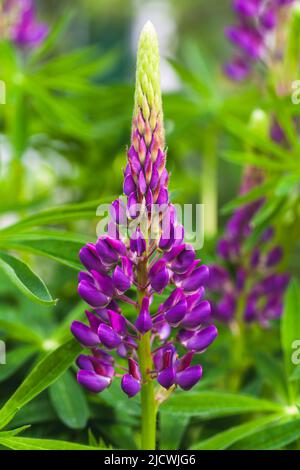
{"type": "Point", "coordinates": [166, 378]}
{"type": "Point", "coordinates": [84, 334]}
{"type": "Point", "coordinates": [130, 385]}
{"type": "Point", "coordinates": [159, 276]}
{"type": "Point", "coordinates": [93, 382]}
{"type": "Point", "coordinates": [117, 322]}
{"type": "Point", "coordinates": [144, 321]}
{"type": "Point", "coordinates": [108, 336]}
{"type": "Point", "coordinates": [274, 256]}
{"type": "Point", "coordinates": [189, 377]}
{"type": "Point", "coordinates": [104, 283]}
{"type": "Point", "coordinates": [175, 314]}
{"type": "Point", "coordinates": [137, 242]}
{"type": "Point", "coordinates": [84, 362]}
{"type": "Point", "coordinates": [196, 279]}
{"type": "Point", "coordinates": [134, 369]}
{"type": "Point", "coordinates": [89, 257]}
{"type": "Point", "coordinates": [107, 254]}
{"type": "Point", "coordinates": [129, 185]}
{"type": "Point", "coordinates": [121, 282]}
{"type": "Point", "coordinates": [200, 314]}
{"type": "Point", "coordinates": [94, 320]}
{"type": "Point", "coordinates": [118, 212]}
{"type": "Point", "coordinates": [201, 340]}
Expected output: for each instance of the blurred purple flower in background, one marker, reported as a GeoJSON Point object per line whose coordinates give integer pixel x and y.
{"type": "Point", "coordinates": [144, 343]}
{"type": "Point", "coordinates": [252, 35]}
{"type": "Point", "coordinates": [20, 25]}
{"type": "Point", "coordinates": [248, 284]}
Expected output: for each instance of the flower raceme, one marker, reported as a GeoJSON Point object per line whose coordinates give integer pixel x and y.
{"type": "Point", "coordinates": [254, 34]}
{"type": "Point", "coordinates": [151, 271]}
{"type": "Point", "coordinates": [20, 25]}
{"type": "Point", "coordinates": [255, 277]}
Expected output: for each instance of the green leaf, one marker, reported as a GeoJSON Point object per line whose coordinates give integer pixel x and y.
{"type": "Point", "coordinates": [286, 184]}
{"type": "Point", "coordinates": [16, 330]}
{"type": "Point", "coordinates": [251, 196]}
{"type": "Point", "coordinates": [253, 139]}
{"type": "Point", "coordinates": [26, 280]}
{"type": "Point", "coordinates": [28, 443]}
{"type": "Point", "coordinates": [42, 375]}
{"type": "Point", "coordinates": [248, 158]}
{"type": "Point", "coordinates": [13, 432]}
{"type": "Point", "coordinates": [62, 333]}
{"type": "Point", "coordinates": [55, 215]}
{"type": "Point", "coordinates": [267, 210]}
{"type": "Point", "coordinates": [227, 438]}
{"type": "Point", "coordinates": [14, 360]}
{"type": "Point", "coordinates": [37, 411]}
{"type": "Point", "coordinates": [272, 372]}
{"type": "Point", "coordinates": [69, 401]}
{"type": "Point", "coordinates": [215, 404]}
{"type": "Point", "coordinates": [47, 46]}
{"type": "Point", "coordinates": [290, 330]}
{"type": "Point", "coordinates": [60, 246]}
{"type": "Point", "coordinates": [171, 431]}
{"type": "Point", "coordinates": [296, 374]}
{"type": "Point", "coordinates": [190, 79]}
{"type": "Point", "coordinates": [274, 437]}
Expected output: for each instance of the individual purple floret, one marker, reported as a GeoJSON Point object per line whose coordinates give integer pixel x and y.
{"type": "Point", "coordinates": [20, 24]}
{"type": "Point", "coordinates": [150, 260]}
{"type": "Point", "coordinates": [253, 35]}
{"type": "Point", "coordinates": [248, 284]}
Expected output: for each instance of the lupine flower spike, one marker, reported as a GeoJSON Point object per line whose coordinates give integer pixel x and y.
{"type": "Point", "coordinates": [255, 276]}
{"type": "Point", "coordinates": [254, 34]}
{"type": "Point", "coordinates": [153, 348]}
{"type": "Point", "coordinates": [19, 24]}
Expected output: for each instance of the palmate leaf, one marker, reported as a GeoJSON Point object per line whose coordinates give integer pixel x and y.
{"type": "Point", "coordinates": [216, 404]}
{"type": "Point", "coordinates": [271, 438]}
{"type": "Point", "coordinates": [42, 375]}
{"type": "Point", "coordinates": [52, 39]}
{"type": "Point", "coordinates": [24, 279]}
{"type": "Point", "coordinates": [225, 439]}
{"type": "Point", "coordinates": [62, 113]}
{"type": "Point", "coordinates": [81, 64]}
{"type": "Point", "coordinates": [242, 131]}
{"type": "Point", "coordinates": [69, 401]}
{"type": "Point", "coordinates": [28, 443]}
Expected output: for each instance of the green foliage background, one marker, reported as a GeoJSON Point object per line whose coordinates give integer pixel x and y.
{"type": "Point", "coordinates": [64, 131]}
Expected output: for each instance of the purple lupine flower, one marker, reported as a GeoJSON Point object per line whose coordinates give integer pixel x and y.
{"type": "Point", "coordinates": [150, 262]}
{"type": "Point", "coordinates": [256, 22]}
{"type": "Point", "coordinates": [21, 25]}
{"type": "Point", "coordinates": [255, 275]}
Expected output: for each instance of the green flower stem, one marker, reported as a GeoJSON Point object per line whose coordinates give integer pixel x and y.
{"type": "Point", "coordinates": [148, 401]}
{"type": "Point", "coordinates": [210, 184]}
{"type": "Point", "coordinates": [149, 404]}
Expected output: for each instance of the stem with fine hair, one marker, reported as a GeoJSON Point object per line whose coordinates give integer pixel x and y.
{"type": "Point", "coordinates": [148, 401]}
